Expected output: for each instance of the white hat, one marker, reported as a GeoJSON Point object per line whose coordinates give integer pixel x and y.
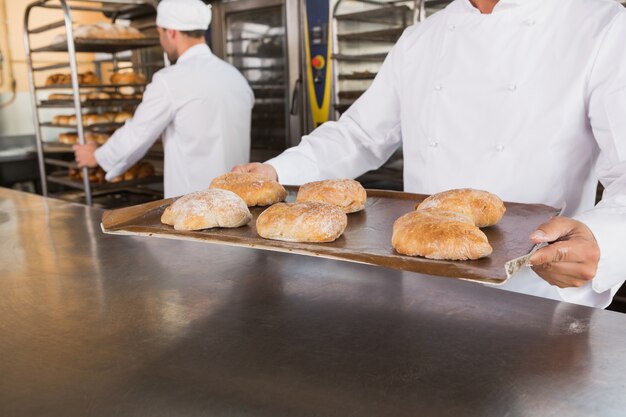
{"type": "Point", "coordinates": [183, 15]}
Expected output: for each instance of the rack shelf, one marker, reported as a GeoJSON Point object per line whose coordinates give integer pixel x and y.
{"type": "Point", "coordinates": [362, 57]}
{"type": "Point", "coordinates": [358, 76]}
{"type": "Point", "coordinates": [380, 15]}
{"type": "Point", "coordinates": [94, 127]}
{"type": "Point", "coordinates": [87, 86]}
{"type": "Point", "coordinates": [109, 46]}
{"type": "Point", "coordinates": [87, 104]}
{"type": "Point", "coordinates": [61, 178]}
{"type": "Point", "coordinates": [383, 35]}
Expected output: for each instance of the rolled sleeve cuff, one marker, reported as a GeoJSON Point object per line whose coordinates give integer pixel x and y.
{"type": "Point", "coordinates": [293, 168]}
{"type": "Point", "coordinates": [611, 272]}
{"type": "Point", "coordinates": [105, 161]}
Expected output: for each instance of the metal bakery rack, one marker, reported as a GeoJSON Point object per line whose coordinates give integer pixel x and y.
{"type": "Point", "coordinates": [54, 46]}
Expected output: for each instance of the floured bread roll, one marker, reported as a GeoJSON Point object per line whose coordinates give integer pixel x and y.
{"type": "Point", "coordinates": [439, 234]}
{"type": "Point", "coordinates": [254, 189]}
{"type": "Point", "coordinates": [302, 222]}
{"type": "Point", "coordinates": [206, 209]}
{"type": "Point", "coordinates": [349, 195]}
{"type": "Point", "coordinates": [484, 208]}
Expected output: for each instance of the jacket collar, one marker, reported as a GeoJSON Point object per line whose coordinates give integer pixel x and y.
{"type": "Point", "coordinates": [465, 6]}
{"type": "Point", "coordinates": [196, 50]}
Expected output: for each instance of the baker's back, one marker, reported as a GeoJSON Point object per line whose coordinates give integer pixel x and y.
{"type": "Point", "coordinates": [210, 129]}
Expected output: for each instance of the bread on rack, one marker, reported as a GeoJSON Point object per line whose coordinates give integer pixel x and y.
{"type": "Point", "coordinates": [61, 120]}
{"type": "Point", "coordinates": [98, 95]}
{"type": "Point", "coordinates": [349, 195]}
{"type": "Point", "coordinates": [93, 119]}
{"type": "Point", "coordinates": [104, 30]}
{"type": "Point", "coordinates": [66, 97]}
{"type": "Point", "coordinates": [254, 189]}
{"type": "Point", "coordinates": [122, 117]}
{"type": "Point", "coordinates": [302, 222]}
{"type": "Point", "coordinates": [68, 138]}
{"type": "Point", "coordinates": [128, 78]}
{"type": "Point", "coordinates": [87, 78]}
{"type": "Point", "coordinates": [96, 175]}
{"type": "Point", "coordinates": [60, 97]}
{"type": "Point", "coordinates": [97, 138]}
{"type": "Point", "coordinates": [207, 209]}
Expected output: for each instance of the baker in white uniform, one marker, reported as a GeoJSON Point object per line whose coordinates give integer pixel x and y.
{"type": "Point", "coordinates": [201, 106]}
{"type": "Point", "coordinates": [522, 98]}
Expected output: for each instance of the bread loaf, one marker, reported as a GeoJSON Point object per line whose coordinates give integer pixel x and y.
{"type": "Point", "coordinates": [349, 195]}
{"type": "Point", "coordinates": [302, 222]}
{"type": "Point", "coordinates": [68, 138]}
{"type": "Point", "coordinates": [254, 189]}
{"type": "Point", "coordinates": [122, 117]}
{"type": "Point", "coordinates": [484, 208]}
{"type": "Point", "coordinates": [207, 209]}
{"type": "Point", "coordinates": [439, 234]}
{"type": "Point", "coordinates": [127, 78]}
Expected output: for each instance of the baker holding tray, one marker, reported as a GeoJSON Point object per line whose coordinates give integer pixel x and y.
{"type": "Point", "coordinates": [201, 105]}
{"type": "Point", "coordinates": [490, 95]}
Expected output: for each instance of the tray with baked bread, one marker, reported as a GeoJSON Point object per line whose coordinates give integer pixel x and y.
{"type": "Point", "coordinates": [466, 234]}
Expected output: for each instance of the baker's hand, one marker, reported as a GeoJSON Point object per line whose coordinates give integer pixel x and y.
{"type": "Point", "coordinates": [85, 155]}
{"type": "Point", "coordinates": [264, 170]}
{"type": "Point", "coordinates": [571, 259]}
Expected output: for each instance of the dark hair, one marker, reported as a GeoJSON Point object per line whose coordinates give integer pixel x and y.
{"type": "Point", "coordinates": [194, 33]}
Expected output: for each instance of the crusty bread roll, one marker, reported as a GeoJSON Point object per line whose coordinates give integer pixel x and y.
{"type": "Point", "coordinates": [254, 189]}
{"type": "Point", "coordinates": [127, 78]}
{"type": "Point", "coordinates": [122, 117]}
{"type": "Point", "coordinates": [98, 95]}
{"type": "Point", "coordinates": [144, 169]}
{"type": "Point", "coordinates": [105, 30]}
{"type": "Point", "coordinates": [484, 208]}
{"type": "Point", "coordinates": [71, 120]}
{"type": "Point", "coordinates": [207, 209]}
{"type": "Point", "coordinates": [59, 96]}
{"type": "Point", "coordinates": [87, 78]}
{"type": "Point", "coordinates": [61, 120]}
{"type": "Point", "coordinates": [349, 195]}
{"type": "Point", "coordinates": [439, 234]}
{"type": "Point", "coordinates": [131, 174]}
{"type": "Point", "coordinates": [302, 222]}
{"type": "Point", "coordinates": [68, 138]}
{"type": "Point", "coordinates": [98, 138]}
{"type": "Point", "coordinates": [92, 119]}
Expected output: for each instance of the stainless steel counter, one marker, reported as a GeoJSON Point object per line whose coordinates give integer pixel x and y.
{"type": "Point", "coordinates": [97, 325]}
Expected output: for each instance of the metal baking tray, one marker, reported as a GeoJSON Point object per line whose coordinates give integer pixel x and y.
{"type": "Point", "coordinates": [367, 238]}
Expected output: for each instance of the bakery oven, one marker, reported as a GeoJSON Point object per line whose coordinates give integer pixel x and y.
{"type": "Point", "coordinates": [282, 48]}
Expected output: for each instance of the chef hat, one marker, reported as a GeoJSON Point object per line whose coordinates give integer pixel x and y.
{"type": "Point", "coordinates": [183, 15]}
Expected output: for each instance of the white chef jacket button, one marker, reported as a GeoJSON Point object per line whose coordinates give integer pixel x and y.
{"type": "Point", "coordinates": [512, 87]}
{"type": "Point", "coordinates": [451, 28]}
{"type": "Point", "coordinates": [433, 143]}
{"type": "Point", "coordinates": [499, 148]}
{"type": "Point", "coordinates": [438, 87]}
{"type": "Point", "coordinates": [530, 22]}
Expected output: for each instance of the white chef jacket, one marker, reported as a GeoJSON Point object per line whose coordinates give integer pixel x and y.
{"type": "Point", "coordinates": [202, 106]}
{"type": "Point", "coordinates": [528, 102]}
